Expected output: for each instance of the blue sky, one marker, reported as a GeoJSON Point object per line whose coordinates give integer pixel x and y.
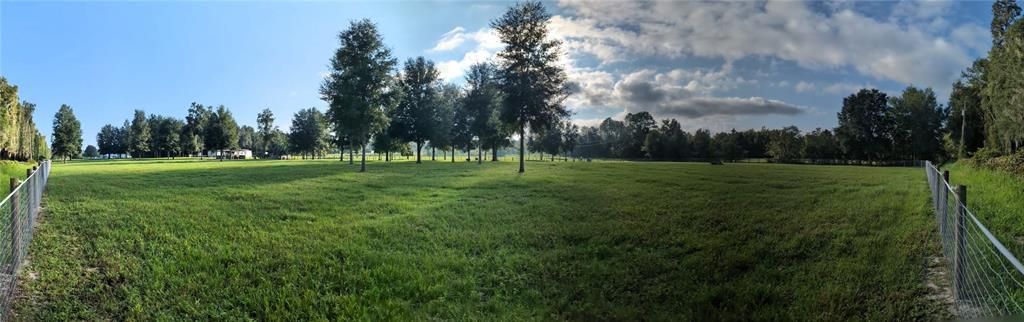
{"type": "Point", "coordinates": [709, 64]}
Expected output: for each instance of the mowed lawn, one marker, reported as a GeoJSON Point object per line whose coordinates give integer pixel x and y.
{"type": "Point", "coordinates": [315, 240]}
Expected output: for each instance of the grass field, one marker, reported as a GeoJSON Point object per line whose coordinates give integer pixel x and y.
{"type": "Point", "coordinates": [310, 240]}
{"type": "Point", "coordinates": [10, 169]}
{"type": "Point", "coordinates": [997, 199]}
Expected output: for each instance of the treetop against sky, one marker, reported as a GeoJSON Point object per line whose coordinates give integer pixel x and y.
{"type": "Point", "coordinates": [710, 65]}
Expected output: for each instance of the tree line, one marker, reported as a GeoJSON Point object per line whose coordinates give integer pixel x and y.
{"type": "Point", "coordinates": [19, 137]}
{"type": "Point", "coordinates": [986, 112]}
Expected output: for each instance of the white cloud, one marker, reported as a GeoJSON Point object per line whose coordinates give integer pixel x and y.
{"type": "Point", "coordinates": [679, 93]}
{"type": "Point", "coordinates": [803, 86]}
{"type": "Point", "coordinates": [486, 45]}
{"type": "Point", "coordinates": [485, 38]}
{"type": "Point", "coordinates": [892, 50]}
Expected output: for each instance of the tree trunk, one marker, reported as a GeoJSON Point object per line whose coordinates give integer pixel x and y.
{"type": "Point", "coordinates": [362, 166]}
{"type": "Point", "coordinates": [522, 148]}
{"type": "Point", "coordinates": [341, 154]}
{"type": "Point", "coordinates": [479, 155]}
{"type": "Point", "coordinates": [469, 154]}
{"type": "Point", "coordinates": [453, 154]}
{"type": "Point", "coordinates": [494, 155]}
{"type": "Point", "coordinates": [387, 156]}
{"type": "Point", "coordinates": [419, 146]}
{"type": "Point", "coordinates": [433, 153]}
{"type": "Point", "coordinates": [351, 148]}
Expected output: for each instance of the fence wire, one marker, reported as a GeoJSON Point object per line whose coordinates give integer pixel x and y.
{"type": "Point", "coordinates": [988, 281]}
{"type": "Point", "coordinates": [18, 212]}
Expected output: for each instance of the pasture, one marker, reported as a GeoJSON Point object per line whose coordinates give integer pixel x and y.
{"type": "Point", "coordinates": [315, 240]}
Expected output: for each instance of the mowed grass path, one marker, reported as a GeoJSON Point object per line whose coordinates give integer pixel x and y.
{"type": "Point", "coordinates": [314, 240]}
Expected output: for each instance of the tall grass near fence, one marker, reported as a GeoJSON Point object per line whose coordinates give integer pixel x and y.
{"type": "Point", "coordinates": [18, 211]}
{"type": "Point", "coordinates": [987, 279]}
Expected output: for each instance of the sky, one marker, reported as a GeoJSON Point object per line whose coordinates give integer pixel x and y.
{"type": "Point", "coordinates": [716, 65]}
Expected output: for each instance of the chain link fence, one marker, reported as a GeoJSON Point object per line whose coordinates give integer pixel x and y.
{"type": "Point", "coordinates": [18, 212]}
{"type": "Point", "coordinates": [987, 280]}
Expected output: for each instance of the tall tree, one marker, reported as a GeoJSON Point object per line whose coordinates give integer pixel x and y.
{"type": "Point", "coordinates": [414, 120]}
{"type": "Point", "coordinates": [483, 102]}
{"type": "Point", "coordinates": [9, 117]}
{"type": "Point", "coordinates": [194, 132]}
{"type": "Point", "coordinates": [1004, 14]}
{"type": "Point", "coordinates": [637, 126]}
{"type": "Point", "coordinates": [41, 150]}
{"type": "Point", "coordinates": [309, 132]}
{"type": "Point", "coordinates": [91, 152]}
{"type": "Point", "coordinates": [139, 135]}
{"type": "Point", "coordinates": [246, 137]}
{"type": "Point", "coordinates": [449, 97]}
{"type": "Point", "coordinates": [67, 134]}
{"type": "Point", "coordinates": [785, 145]}
{"type": "Point", "coordinates": [26, 131]}
{"type": "Point", "coordinates": [265, 130]}
{"type": "Point", "coordinates": [359, 85]}
{"type": "Point", "coordinates": [862, 125]}
{"type": "Point", "coordinates": [533, 82]}
{"type": "Point", "coordinates": [107, 140]}
{"type": "Point", "coordinates": [916, 120]}
{"type": "Point", "coordinates": [221, 131]}
{"type": "Point", "coordinates": [1003, 99]}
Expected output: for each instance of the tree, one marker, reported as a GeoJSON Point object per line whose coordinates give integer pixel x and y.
{"type": "Point", "coordinates": [726, 145]}
{"type": "Point", "coordinates": [462, 128]}
{"type": "Point", "coordinates": [26, 131]}
{"type": "Point", "coordinates": [91, 152]}
{"type": "Point", "coordinates": [785, 145]}
{"type": "Point", "coordinates": [309, 132]}
{"type": "Point", "coordinates": [107, 140]}
{"type": "Point", "coordinates": [449, 98]}
{"type": "Point", "coordinates": [637, 126]}
{"type": "Point", "coordinates": [1003, 99]}
{"type": "Point", "coordinates": [482, 102]}
{"type": "Point", "coordinates": [614, 135]}
{"type": "Point", "coordinates": [677, 141]}
{"type": "Point", "coordinates": [265, 129]}
{"type": "Point", "coordinates": [9, 116]}
{"type": "Point", "coordinates": [820, 144]}
{"type": "Point", "coordinates": [168, 136]}
{"type": "Point", "coordinates": [862, 125]}
{"type": "Point", "coordinates": [139, 134]}
{"type": "Point", "coordinates": [221, 131]}
{"type": "Point", "coordinates": [551, 140]}
{"type": "Point", "coordinates": [413, 120]}
{"type": "Point", "coordinates": [915, 124]}
{"type": "Point", "coordinates": [41, 151]}
{"type": "Point", "coordinates": [246, 137]}
{"type": "Point", "coordinates": [570, 138]}
{"type": "Point", "coordinates": [966, 120]}
{"type": "Point", "coordinates": [532, 80]}
{"type": "Point", "coordinates": [1004, 14]}
{"type": "Point", "coordinates": [67, 134]}
{"type": "Point", "coordinates": [278, 145]}
{"type": "Point", "coordinates": [702, 144]}
{"type": "Point", "coordinates": [194, 132]}
{"type": "Point", "coordinates": [360, 84]}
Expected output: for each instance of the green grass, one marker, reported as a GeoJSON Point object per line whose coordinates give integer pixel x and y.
{"type": "Point", "coordinates": [315, 240]}
{"type": "Point", "coordinates": [997, 199]}
{"type": "Point", "coordinates": [9, 169]}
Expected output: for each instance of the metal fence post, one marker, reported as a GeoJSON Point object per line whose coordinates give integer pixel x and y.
{"type": "Point", "coordinates": [14, 227]}
{"type": "Point", "coordinates": [960, 240]}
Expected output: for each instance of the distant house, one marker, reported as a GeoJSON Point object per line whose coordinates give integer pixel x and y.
{"type": "Point", "coordinates": [231, 154]}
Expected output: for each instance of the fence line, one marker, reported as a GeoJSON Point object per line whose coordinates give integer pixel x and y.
{"type": "Point", "coordinates": [18, 213]}
{"type": "Point", "coordinates": [987, 279]}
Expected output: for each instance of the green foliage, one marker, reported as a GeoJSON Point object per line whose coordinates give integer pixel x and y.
{"type": "Point", "coordinates": [221, 131]}
{"type": "Point", "coordinates": [67, 134]}
{"type": "Point", "coordinates": [1003, 96]}
{"type": "Point", "coordinates": [309, 240]}
{"type": "Point", "coordinates": [785, 145]}
{"type": "Point", "coordinates": [310, 133]}
{"type": "Point", "coordinates": [532, 80]}
{"type": "Point", "coordinates": [360, 87]}
{"type": "Point", "coordinates": [966, 123]}
{"type": "Point", "coordinates": [91, 152]}
{"type": "Point", "coordinates": [820, 144]}
{"type": "Point", "coordinates": [10, 112]}
{"type": "Point", "coordinates": [413, 120]}
{"type": "Point", "coordinates": [265, 130]}
{"type": "Point", "coordinates": [915, 121]}
{"type": "Point", "coordinates": [862, 125]}
{"type": "Point", "coordinates": [1004, 14]}
{"type": "Point", "coordinates": [139, 135]}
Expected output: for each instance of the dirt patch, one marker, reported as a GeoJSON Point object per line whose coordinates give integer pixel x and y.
{"type": "Point", "coordinates": [940, 287]}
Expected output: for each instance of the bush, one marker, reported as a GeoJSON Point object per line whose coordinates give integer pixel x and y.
{"type": "Point", "coordinates": [991, 159]}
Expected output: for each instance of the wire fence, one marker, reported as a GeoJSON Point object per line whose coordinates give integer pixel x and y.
{"type": "Point", "coordinates": [987, 280]}
{"type": "Point", "coordinates": [18, 213]}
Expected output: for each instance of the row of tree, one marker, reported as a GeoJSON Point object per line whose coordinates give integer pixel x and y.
{"type": "Point", "coordinates": [19, 137]}
{"type": "Point", "coordinates": [987, 103]}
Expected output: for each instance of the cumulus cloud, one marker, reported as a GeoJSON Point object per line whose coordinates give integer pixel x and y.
{"type": "Point", "coordinates": [892, 49]}
{"type": "Point", "coordinates": [679, 93]}
{"type": "Point", "coordinates": [485, 38]}
{"type": "Point", "coordinates": [486, 45]}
